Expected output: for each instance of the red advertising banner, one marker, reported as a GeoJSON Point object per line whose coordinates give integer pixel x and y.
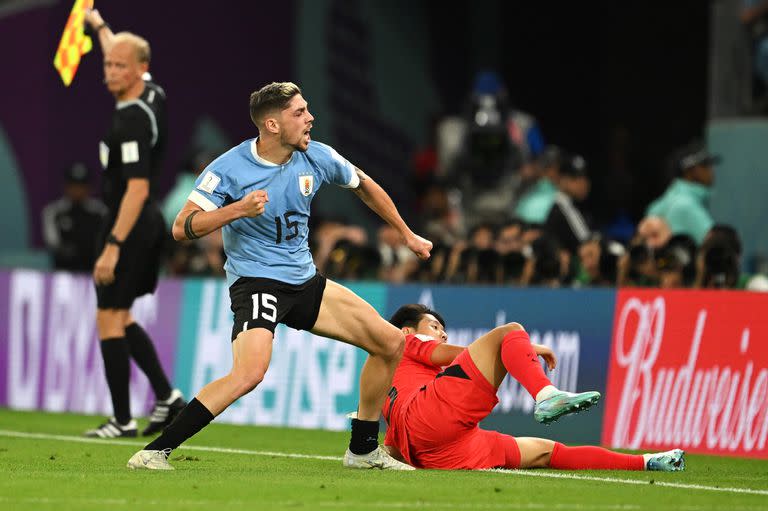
{"type": "Point", "coordinates": [689, 369]}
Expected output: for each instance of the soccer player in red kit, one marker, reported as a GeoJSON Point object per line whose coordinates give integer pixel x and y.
{"type": "Point", "coordinates": [441, 392]}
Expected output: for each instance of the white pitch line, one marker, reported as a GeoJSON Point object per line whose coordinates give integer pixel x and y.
{"type": "Point", "coordinates": [529, 473]}
{"type": "Point", "coordinates": [104, 441]}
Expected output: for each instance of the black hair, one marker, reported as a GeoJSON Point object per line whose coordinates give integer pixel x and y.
{"type": "Point", "coordinates": [410, 315]}
{"type": "Point", "coordinates": [721, 267]}
{"type": "Point", "coordinates": [723, 234]}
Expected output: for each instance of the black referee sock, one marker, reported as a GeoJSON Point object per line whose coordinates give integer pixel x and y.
{"type": "Point", "coordinates": [194, 417]}
{"type": "Point", "coordinates": [143, 352]}
{"type": "Point", "coordinates": [117, 366]}
{"type": "Point", "coordinates": [365, 436]}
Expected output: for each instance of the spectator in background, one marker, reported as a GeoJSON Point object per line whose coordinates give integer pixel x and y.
{"type": "Point", "coordinates": [499, 141]}
{"type": "Point", "coordinates": [327, 235]}
{"type": "Point", "coordinates": [599, 261]}
{"type": "Point", "coordinates": [685, 204]}
{"type": "Point", "coordinates": [70, 223]}
{"type": "Point", "coordinates": [565, 222]}
{"type": "Point", "coordinates": [441, 215]}
{"type": "Point", "coordinates": [398, 263]}
{"type": "Point", "coordinates": [474, 262]}
{"type": "Point", "coordinates": [509, 247]}
{"type": "Point", "coordinates": [544, 263]}
{"type": "Point", "coordinates": [654, 232]}
{"type": "Point", "coordinates": [754, 16]}
{"type": "Point", "coordinates": [350, 261]}
{"type": "Point", "coordinates": [676, 262]}
{"type": "Point", "coordinates": [720, 265]}
{"type": "Point", "coordinates": [719, 262]}
{"type": "Point", "coordinates": [637, 267]}
{"type": "Point", "coordinates": [202, 257]}
{"type": "Point", "coordinates": [536, 202]}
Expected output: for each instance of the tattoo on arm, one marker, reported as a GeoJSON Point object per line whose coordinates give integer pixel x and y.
{"type": "Point", "coordinates": [190, 233]}
{"type": "Point", "coordinates": [359, 190]}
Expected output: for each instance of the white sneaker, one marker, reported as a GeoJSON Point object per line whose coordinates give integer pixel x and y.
{"type": "Point", "coordinates": [150, 460]}
{"type": "Point", "coordinates": [377, 458]}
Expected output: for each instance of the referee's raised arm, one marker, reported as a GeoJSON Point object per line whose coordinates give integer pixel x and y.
{"type": "Point", "coordinates": [100, 28]}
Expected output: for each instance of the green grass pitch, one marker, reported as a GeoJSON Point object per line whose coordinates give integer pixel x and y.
{"type": "Point", "coordinates": [45, 466]}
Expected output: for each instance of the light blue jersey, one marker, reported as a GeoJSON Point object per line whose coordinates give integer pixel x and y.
{"type": "Point", "coordinates": [273, 245]}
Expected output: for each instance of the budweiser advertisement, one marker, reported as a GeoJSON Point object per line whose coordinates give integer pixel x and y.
{"type": "Point", "coordinates": [689, 369]}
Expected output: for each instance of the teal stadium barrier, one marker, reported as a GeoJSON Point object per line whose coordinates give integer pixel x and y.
{"type": "Point", "coordinates": [50, 356]}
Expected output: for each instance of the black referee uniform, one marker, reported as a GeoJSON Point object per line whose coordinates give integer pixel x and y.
{"type": "Point", "coordinates": [134, 147]}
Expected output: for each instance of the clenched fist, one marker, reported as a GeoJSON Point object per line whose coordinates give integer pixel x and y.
{"type": "Point", "coordinates": [252, 204]}
{"type": "Point", "coordinates": [93, 18]}
{"type": "Point", "coordinates": [419, 246]}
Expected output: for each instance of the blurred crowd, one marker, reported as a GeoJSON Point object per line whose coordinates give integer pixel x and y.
{"type": "Point", "coordinates": [501, 207]}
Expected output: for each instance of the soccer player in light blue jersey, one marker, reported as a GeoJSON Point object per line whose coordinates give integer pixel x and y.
{"type": "Point", "coordinates": [259, 193]}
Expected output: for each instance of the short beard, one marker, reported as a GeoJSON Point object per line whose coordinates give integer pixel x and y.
{"type": "Point", "coordinates": [297, 146]}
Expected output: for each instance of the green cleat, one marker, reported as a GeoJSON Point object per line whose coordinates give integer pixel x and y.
{"type": "Point", "coordinates": [669, 461]}
{"type": "Point", "coordinates": [562, 403]}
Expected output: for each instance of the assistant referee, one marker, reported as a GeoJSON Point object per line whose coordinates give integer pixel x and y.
{"type": "Point", "coordinates": [133, 235]}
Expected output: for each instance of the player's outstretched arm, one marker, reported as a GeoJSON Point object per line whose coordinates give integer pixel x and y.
{"type": "Point", "coordinates": [193, 222]}
{"type": "Point", "coordinates": [444, 354]}
{"type": "Point", "coordinates": [379, 201]}
{"type": "Point", "coordinates": [98, 25]}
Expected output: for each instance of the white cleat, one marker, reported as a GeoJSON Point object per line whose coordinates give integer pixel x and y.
{"type": "Point", "coordinates": [378, 458]}
{"type": "Point", "coordinates": [150, 460]}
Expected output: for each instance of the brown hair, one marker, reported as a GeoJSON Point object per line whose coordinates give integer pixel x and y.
{"type": "Point", "coordinates": [274, 96]}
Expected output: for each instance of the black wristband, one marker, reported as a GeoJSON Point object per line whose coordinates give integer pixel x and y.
{"type": "Point", "coordinates": [112, 240]}
{"type": "Point", "coordinates": [103, 25]}
{"type": "Point", "coordinates": [188, 231]}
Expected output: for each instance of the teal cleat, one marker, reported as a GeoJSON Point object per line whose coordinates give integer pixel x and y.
{"type": "Point", "coordinates": [562, 403]}
{"type": "Point", "coordinates": [669, 461]}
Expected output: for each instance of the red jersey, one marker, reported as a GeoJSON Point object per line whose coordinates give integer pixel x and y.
{"type": "Point", "coordinates": [433, 421]}
{"type": "Point", "coordinates": [415, 370]}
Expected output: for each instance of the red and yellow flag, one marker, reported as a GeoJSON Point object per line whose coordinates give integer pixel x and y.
{"type": "Point", "coordinates": [74, 43]}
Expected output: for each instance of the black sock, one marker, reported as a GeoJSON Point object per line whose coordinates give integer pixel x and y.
{"type": "Point", "coordinates": [117, 367]}
{"type": "Point", "coordinates": [194, 417]}
{"type": "Point", "coordinates": [143, 352]}
{"type": "Point", "coordinates": [365, 436]}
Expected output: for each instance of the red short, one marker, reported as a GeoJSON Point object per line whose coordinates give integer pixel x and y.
{"type": "Point", "coordinates": [441, 422]}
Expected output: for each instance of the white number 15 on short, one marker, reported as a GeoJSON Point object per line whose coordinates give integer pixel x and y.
{"type": "Point", "coordinates": [266, 305]}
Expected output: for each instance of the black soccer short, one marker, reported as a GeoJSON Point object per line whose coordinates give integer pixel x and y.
{"type": "Point", "coordinates": [263, 303]}
{"type": "Point", "coordinates": [139, 263]}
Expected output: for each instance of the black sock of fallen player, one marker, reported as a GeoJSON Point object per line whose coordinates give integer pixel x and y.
{"type": "Point", "coordinates": [194, 417]}
{"type": "Point", "coordinates": [117, 368]}
{"type": "Point", "coordinates": [143, 352]}
{"type": "Point", "coordinates": [365, 436]}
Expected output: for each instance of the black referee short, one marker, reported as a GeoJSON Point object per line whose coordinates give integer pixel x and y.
{"type": "Point", "coordinates": [139, 263]}
{"type": "Point", "coordinates": [263, 303]}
